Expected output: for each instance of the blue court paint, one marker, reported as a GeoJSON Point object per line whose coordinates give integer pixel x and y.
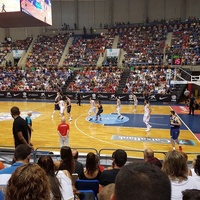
{"type": "Point", "coordinates": [109, 119]}
{"type": "Point", "coordinates": [191, 121]}
{"type": "Point", "coordinates": [135, 120]}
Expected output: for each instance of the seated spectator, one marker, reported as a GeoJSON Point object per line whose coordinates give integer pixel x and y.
{"type": "Point", "coordinates": [108, 176]}
{"type": "Point", "coordinates": [78, 165]}
{"type": "Point", "coordinates": [197, 172]}
{"type": "Point", "coordinates": [92, 171]}
{"type": "Point", "coordinates": [175, 166]}
{"type": "Point", "coordinates": [193, 173]}
{"type": "Point", "coordinates": [28, 182]}
{"type": "Point", "coordinates": [21, 157]}
{"type": "Point", "coordinates": [101, 167]}
{"type": "Point", "coordinates": [186, 157]}
{"type": "Point", "coordinates": [113, 158]}
{"type": "Point", "coordinates": [140, 180]}
{"type": "Point", "coordinates": [60, 182]}
{"type": "Point", "coordinates": [192, 194]}
{"type": "Point", "coordinates": [67, 160]}
{"type": "Point", "coordinates": [149, 157]}
{"type": "Point", "coordinates": [106, 192]}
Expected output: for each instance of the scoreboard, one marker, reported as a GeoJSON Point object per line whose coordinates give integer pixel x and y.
{"type": "Point", "coordinates": [24, 13]}
{"type": "Point", "coordinates": [176, 60]}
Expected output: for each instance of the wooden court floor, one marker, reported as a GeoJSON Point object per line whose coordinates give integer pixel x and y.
{"type": "Point", "coordinates": [85, 134]}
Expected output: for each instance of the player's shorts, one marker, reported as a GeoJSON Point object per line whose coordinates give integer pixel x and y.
{"type": "Point", "coordinates": [62, 109]}
{"type": "Point", "coordinates": [93, 109]}
{"type": "Point", "coordinates": [174, 133]}
{"type": "Point", "coordinates": [99, 111]}
{"type": "Point", "coordinates": [56, 107]}
{"type": "Point", "coordinates": [69, 109]}
{"type": "Point", "coordinates": [146, 118]}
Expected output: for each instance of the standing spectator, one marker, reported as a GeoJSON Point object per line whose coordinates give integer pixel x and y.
{"type": "Point", "coordinates": [84, 30]}
{"type": "Point", "coordinates": [63, 132]}
{"type": "Point", "coordinates": [191, 104]}
{"type": "Point", "coordinates": [20, 128]}
{"type": "Point", "coordinates": [28, 182]}
{"type": "Point", "coordinates": [175, 166]}
{"type": "Point", "coordinates": [29, 122]}
{"type": "Point", "coordinates": [21, 157]}
{"type": "Point", "coordinates": [141, 181]}
{"type": "Point", "coordinates": [149, 158]}
{"type": "Point", "coordinates": [147, 113]}
{"type": "Point", "coordinates": [175, 124]}
{"type": "Point", "coordinates": [78, 165]}
{"type": "Point", "coordinates": [119, 160]}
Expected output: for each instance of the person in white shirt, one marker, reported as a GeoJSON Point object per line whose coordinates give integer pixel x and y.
{"type": "Point", "coordinates": [147, 113]}
{"type": "Point", "coordinates": [60, 182]}
{"type": "Point", "coordinates": [196, 173]}
{"type": "Point", "coordinates": [62, 107]}
{"type": "Point", "coordinates": [92, 108]}
{"type": "Point", "coordinates": [135, 102]}
{"type": "Point", "coordinates": [175, 166]}
{"type": "Point", "coordinates": [118, 109]}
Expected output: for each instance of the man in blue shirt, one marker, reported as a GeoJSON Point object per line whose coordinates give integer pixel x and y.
{"type": "Point", "coordinates": [29, 122]}
{"type": "Point", "coordinates": [21, 157]}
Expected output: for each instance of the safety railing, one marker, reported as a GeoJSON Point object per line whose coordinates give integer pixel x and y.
{"type": "Point", "coordinates": [105, 154]}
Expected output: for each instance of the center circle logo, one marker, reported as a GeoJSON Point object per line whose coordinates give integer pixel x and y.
{"type": "Point", "coordinates": [108, 119]}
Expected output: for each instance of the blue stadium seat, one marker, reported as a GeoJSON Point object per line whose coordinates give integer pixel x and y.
{"type": "Point", "coordinates": [88, 185]}
{"type": "Point", "coordinates": [1, 195]}
{"type": "Point", "coordinates": [87, 195]}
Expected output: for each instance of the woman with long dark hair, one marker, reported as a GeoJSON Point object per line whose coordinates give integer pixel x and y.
{"type": "Point", "coordinates": [92, 171]}
{"type": "Point", "coordinates": [60, 183]}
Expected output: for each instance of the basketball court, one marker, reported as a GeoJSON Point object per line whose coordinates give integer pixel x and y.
{"type": "Point", "coordinates": [110, 133]}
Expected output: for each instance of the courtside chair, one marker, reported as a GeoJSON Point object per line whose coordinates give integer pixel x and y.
{"type": "Point", "coordinates": [88, 185]}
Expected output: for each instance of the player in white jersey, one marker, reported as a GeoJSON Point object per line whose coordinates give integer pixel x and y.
{"type": "Point", "coordinates": [135, 102]}
{"type": "Point", "coordinates": [92, 108]}
{"type": "Point", "coordinates": [118, 109]}
{"type": "Point", "coordinates": [62, 107]}
{"type": "Point", "coordinates": [147, 113]}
